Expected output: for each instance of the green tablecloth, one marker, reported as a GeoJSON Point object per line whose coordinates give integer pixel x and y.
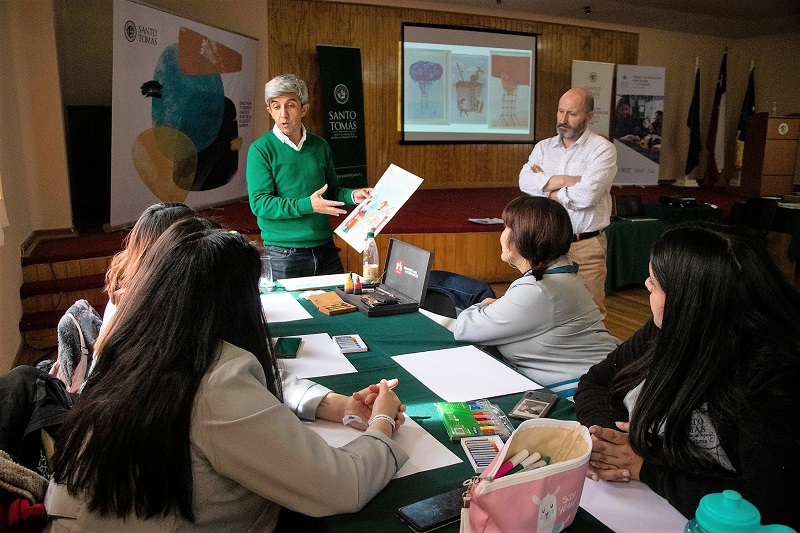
{"type": "Point", "coordinates": [680, 214]}
{"type": "Point", "coordinates": [386, 337]}
{"type": "Point", "coordinates": [629, 241]}
{"type": "Point", "coordinates": [628, 256]}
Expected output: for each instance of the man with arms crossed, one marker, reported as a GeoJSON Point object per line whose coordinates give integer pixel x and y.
{"type": "Point", "coordinates": [577, 168]}
{"type": "Point", "coordinates": [293, 187]}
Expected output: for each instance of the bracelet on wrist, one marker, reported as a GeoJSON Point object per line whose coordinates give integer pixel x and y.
{"type": "Point", "coordinates": [382, 416]}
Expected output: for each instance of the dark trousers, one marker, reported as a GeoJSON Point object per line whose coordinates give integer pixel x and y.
{"type": "Point", "coordinates": [301, 262]}
{"type": "Point", "coordinates": [31, 400]}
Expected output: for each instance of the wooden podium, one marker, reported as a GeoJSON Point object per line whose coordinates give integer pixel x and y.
{"type": "Point", "coordinates": [770, 151]}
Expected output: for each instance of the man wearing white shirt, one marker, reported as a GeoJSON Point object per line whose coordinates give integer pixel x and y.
{"type": "Point", "coordinates": [293, 187]}
{"type": "Point", "coordinates": [577, 168]}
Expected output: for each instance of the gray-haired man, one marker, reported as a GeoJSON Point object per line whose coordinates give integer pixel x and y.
{"type": "Point", "coordinates": [293, 187]}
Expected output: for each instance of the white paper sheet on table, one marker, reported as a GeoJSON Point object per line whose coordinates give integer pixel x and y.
{"type": "Point", "coordinates": [630, 507]}
{"type": "Point", "coordinates": [465, 373]}
{"type": "Point", "coordinates": [424, 451]}
{"type": "Point", "coordinates": [319, 355]}
{"type": "Point", "coordinates": [445, 321]}
{"type": "Point", "coordinates": [312, 282]}
{"type": "Point", "coordinates": [282, 307]}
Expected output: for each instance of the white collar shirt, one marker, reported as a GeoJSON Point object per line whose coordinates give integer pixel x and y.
{"type": "Point", "coordinates": [591, 157]}
{"type": "Point", "coordinates": [286, 140]}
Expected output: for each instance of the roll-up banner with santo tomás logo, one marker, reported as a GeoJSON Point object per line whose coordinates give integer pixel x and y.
{"type": "Point", "coordinates": [343, 111]}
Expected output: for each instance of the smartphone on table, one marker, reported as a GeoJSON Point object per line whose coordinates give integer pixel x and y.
{"type": "Point", "coordinates": [287, 347]}
{"type": "Point", "coordinates": [534, 404]}
{"type": "Point", "coordinates": [434, 512]}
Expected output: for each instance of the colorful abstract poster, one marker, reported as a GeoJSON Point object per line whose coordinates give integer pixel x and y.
{"type": "Point", "coordinates": [390, 193]}
{"type": "Point", "coordinates": [182, 108]}
{"type": "Point", "coordinates": [637, 124]}
{"type": "Point", "coordinates": [598, 78]}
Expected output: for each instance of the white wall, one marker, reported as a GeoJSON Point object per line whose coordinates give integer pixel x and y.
{"type": "Point", "coordinates": [32, 150]}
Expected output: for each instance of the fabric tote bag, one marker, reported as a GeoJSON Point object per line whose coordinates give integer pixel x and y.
{"type": "Point", "coordinates": [544, 500]}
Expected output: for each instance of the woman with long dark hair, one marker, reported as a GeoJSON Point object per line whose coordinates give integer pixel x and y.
{"type": "Point", "coordinates": [182, 427]}
{"type": "Point", "coordinates": [546, 324]}
{"type": "Point", "coordinates": [308, 400]}
{"type": "Point", "coordinates": [705, 396]}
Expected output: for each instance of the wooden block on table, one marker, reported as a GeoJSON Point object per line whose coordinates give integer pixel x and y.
{"type": "Point", "coordinates": [330, 304]}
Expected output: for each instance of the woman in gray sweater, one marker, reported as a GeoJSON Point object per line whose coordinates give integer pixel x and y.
{"type": "Point", "coordinates": [546, 325]}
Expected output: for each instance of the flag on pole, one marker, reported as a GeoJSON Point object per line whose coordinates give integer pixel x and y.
{"type": "Point", "coordinates": [693, 123]}
{"type": "Point", "coordinates": [716, 130]}
{"type": "Point", "coordinates": [748, 108]}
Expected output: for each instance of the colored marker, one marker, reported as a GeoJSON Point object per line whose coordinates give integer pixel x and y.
{"type": "Point", "coordinates": [545, 460]}
{"type": "Point", "coordinates": [532, 458]}
{"type": "Point", "coordinates": [506, 467]}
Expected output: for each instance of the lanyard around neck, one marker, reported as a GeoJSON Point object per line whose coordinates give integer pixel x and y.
{"type": "Point", "coordinates": [564, 269]}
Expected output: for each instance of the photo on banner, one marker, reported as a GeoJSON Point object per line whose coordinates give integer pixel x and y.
{"type": "Point", "coordinates": [182, 111]}
{"type": "Point", "coordinates": [637, 122]}
{"type": "Point", "coordinates": [598, 78]}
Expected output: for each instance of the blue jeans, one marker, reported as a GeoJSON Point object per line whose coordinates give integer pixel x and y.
{"type": "Point", "coordinates": [463, 290]}
{"type": "Point", "coordinates": [301, 262]}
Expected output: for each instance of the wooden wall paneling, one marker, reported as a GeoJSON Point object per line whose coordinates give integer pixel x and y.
{"type": "Point", "coordinates": [297, 26]}
{"type": "Point", "coordinates": [472, 254]}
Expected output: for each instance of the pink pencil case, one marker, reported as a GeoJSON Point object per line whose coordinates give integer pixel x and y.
{"type": "Point", "coordinates": [542, 500]}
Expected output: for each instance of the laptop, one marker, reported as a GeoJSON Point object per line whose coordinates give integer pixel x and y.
{"type": "Point", "coordinates": [629, 207]}
{"type": "Point", "coordinates": [403, 284]}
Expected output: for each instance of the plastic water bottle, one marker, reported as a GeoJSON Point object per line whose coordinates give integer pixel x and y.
{"type": "Point", "coordinates": [728, 512]}
{"type": "Point", "coordinates": [371, 261]}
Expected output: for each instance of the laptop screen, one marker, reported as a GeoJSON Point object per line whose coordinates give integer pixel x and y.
{"type": "Point", "coordinates": [628, 205]}
{"type": "Point", "coordinates": [407, 269]}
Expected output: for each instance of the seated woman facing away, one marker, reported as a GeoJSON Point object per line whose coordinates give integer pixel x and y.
{"type": "Point", "coordinates": [705, 396]}
{"type": "Point", "coordinates": [151, 224]}
{"type": "Point", "coordinates": [181, 426]}
{"type": "Point", "coordinates": [308, 400]}
{"type": "Point", "coordinates": [546, 325]}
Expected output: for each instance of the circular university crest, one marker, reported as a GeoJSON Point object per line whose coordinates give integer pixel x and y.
{"type": "Point", "coordinates": [341, 93]}
{"type": "Point", "coordinates": [593, 77]}
{"type": "Point", "coordinates": [130, 31]}
{"type": "Point", "coordinates": [783, 128]}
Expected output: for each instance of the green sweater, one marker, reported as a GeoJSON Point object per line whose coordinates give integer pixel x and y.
{"type": "Point", "coordinates": [280, 181]}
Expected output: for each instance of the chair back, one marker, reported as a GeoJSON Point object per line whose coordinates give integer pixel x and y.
{"type": "Point", "coordinates": [440, 303]}
{"type": "Point", "coordinates": [759, 214]}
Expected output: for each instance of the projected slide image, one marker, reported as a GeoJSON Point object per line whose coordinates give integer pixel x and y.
{"type": "Point", "coordinates": [510, 88]}
{"type": "Point", "coordinates": [468, 92]}
{"type": "Point", "coordinates": [467, 85]}
{"type": "Point", "coordinates": [426, 73]}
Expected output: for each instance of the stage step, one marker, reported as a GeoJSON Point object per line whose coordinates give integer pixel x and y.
{"type": "Point", "coordinates": [48, 290]}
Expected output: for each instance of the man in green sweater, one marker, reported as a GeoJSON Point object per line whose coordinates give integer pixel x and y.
{"type": "Point", "coordinates": [293, 187]}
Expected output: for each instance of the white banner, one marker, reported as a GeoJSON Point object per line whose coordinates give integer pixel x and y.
{"type": "Point", "coordinates": [598, 78]}
{"type": "Point", "coordinates": [637, 123]}
{"type": "Point", "coordinates": [182, 110]}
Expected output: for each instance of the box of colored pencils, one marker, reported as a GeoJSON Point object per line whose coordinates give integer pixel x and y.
{"type": "Point", "coordinates": [478, 418]}
{"type": "Point", "coordinates": [481, 451]}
